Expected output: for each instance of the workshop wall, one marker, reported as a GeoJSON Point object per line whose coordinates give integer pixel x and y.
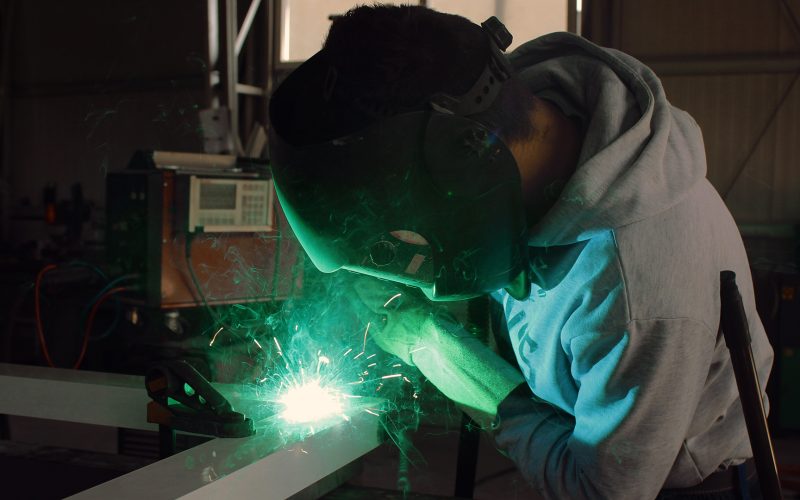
{"type": "Point", "coordinates": [734, 65]}
{"type": "Point", "coordinates": [90, 82]}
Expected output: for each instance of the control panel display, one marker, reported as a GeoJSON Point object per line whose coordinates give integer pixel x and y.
{"type": "Point", "coordinates": [230, 205]}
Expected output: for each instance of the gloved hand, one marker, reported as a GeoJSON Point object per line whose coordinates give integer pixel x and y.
{"type": "Point", "coordinates": [426, 335]}
{"type": "Point", "coordinates": [402, 316]}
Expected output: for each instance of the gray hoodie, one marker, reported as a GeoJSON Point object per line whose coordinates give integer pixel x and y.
{"type": "Point", "coordinates": [619, 340]}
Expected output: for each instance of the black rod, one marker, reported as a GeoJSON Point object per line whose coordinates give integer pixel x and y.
{"type": "Point", "coordinates": [737, 338]}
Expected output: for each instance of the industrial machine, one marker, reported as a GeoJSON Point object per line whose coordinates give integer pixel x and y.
{"type": "Point", "coordinates": [200, 229]}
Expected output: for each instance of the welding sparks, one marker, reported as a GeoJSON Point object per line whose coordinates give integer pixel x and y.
{"type": "Point", "coordinates": [322, 360]}
{"type": "Point", "coordinates": [310, 402]}
{"type": "Point", "coordinates": [214, 337]}
{"type": "Point", "coordinates": [391, 299]}
{"type": "Point", "coordinates": [366, 331]}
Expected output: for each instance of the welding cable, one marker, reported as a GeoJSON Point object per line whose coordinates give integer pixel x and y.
{"type": "Point", "coordinates": [38, 310]}
{"type": "Point", "coordinates": [90, 321]}
{"type": "Point", "coordinates": [113, 283]}
{"type": "Point", "coordinates": [88, 265]}
{"type": "Point", "coordinates": [37, 303]}
{"type": "Point", "coordinates": [13, 319]}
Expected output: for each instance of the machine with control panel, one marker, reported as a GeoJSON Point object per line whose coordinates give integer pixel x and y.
{"type": "Point", "coordinates": [200, 229]}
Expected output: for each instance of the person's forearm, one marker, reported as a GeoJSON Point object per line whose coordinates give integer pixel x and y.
{"type": "Point", "coordinates": [465, 370]}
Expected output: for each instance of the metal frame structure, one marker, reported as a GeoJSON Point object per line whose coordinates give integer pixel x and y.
{"type": "Point", "coordinates": [259, 466]}
{"type": "Point", "coordinates": [228, 42]}
{"type": "Point", "coordinates": [260, 33]}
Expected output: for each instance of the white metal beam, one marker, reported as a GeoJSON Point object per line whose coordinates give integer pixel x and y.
{"type": "Point", "coordinates": [259, 466]}
{"type": "Point", "coordinates": [265, 465]}
{"type": "Point", "coordinates": [86, 397]}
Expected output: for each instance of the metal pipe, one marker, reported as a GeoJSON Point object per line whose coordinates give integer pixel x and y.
{"type": "Point", "coordinates": [272, 19]}
{"type": "Point", "coordinates": [246, 25]}
{"type": "Point", "coordinates": [229, 68]}
{"type": "Point", "coordinates": [246, 89]}
{"type": "Point", "coordinates": [737, 337]}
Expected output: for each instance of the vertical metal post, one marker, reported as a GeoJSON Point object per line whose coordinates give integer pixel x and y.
{"type": "Point", "coordinates": [272, 18]}
{"type": "Point", "coordinates": [479, 320]}
{"type": "Point", "coordinates": [166, 441]}
{"type": "Point", "coordinates": [500, 9]}
{"type": "Point", "coordinates": [229, 65]}
{"type": "Point", "coordinates": [737, 337]}
{"type": "Point", "coordinates": [212, 53]}
{"type": "Point", "coordinates": [572, 16]}
{"type": "Point", "coordinates": [469, 439]}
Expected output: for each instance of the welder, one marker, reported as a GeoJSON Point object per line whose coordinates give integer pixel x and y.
{"type": "Point", "coordinates": [557, 179]}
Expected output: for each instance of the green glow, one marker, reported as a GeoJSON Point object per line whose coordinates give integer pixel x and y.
{"type": "Point", "coordinates": [311, 402]}
{"type": "Point", "coordinates": [188, 389]}
{"type": "Point", "coordinates": [312, 362]}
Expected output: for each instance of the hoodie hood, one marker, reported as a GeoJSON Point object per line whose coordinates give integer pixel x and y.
{"type": "Point", "coordinates": [640, 155]}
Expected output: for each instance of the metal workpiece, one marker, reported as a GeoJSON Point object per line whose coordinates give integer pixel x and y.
{"type": "Point", "coordinates": [279, 461]}
{"type": "Point", "coordinates": [86, 397]}
{"type": "Point", "coordinates": [261, 466]}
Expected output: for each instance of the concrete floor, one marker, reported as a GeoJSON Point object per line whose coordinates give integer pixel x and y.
{"type": "Point", "coordinates": [434, 472]}
{"type": "Point", "coordinates": [431, 476]}
{"type": "Point", "coordinates": [496, 477]}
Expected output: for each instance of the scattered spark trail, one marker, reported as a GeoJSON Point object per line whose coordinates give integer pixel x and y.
{"type": "Point", "coordinates": [322, 368]}
{"type": "Point", "coordinates": [214, 337]}
{"type": "Point", "coordinates": [391, 299]}
{"type": "Point", "coordinates": [322, 360]}
{"type": "Point", "coordinates": [329, 388]}
{"type": "Point", "coordinates": [366, 331]}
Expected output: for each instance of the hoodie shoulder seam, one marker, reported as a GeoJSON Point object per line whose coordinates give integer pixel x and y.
{"type": "Point", "coordinates": [623, 278]}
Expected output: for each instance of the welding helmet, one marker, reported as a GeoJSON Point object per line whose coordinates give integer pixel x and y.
{"type": "Point", "coordinates": [427, 197]}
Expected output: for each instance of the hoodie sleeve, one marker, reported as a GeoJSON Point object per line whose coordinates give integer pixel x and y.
{"type": "Point", "coordinates": [638, 390]}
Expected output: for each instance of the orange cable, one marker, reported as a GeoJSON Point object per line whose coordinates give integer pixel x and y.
{"type": "Point", "coordinates": [90, 321]}
{"type": "Point", "coordinates": [38, 309]}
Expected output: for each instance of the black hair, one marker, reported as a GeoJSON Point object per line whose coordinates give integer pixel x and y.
{"type": "Point", "coordinates": [388, 59]}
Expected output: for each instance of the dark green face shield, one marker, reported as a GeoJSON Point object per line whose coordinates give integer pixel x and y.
{"type": "Point", "coordinates": [428, 198]}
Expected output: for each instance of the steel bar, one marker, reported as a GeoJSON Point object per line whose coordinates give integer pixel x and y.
{"type": "Point", "coordinates": [246, 25]}
{"type": "Point", "coordinates": [737, 338]}
{"type": "Point", "coordinates": [229, 67]}
{"type": "Point", "coordinates": [243, 88]}
{"type": "Point", "coordinates": [267, 465]}
{"type": "Point", "coordinates": [110, 399]}
{"type": "Point", "coordinates": [260, 466]}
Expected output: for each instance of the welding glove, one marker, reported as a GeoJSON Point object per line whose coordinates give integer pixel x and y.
{"type": "Point", "coordinates": [426, 335]}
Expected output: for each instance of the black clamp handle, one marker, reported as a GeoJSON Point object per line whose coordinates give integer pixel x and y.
{"type": "Point", "coordinates": [196, 405]}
